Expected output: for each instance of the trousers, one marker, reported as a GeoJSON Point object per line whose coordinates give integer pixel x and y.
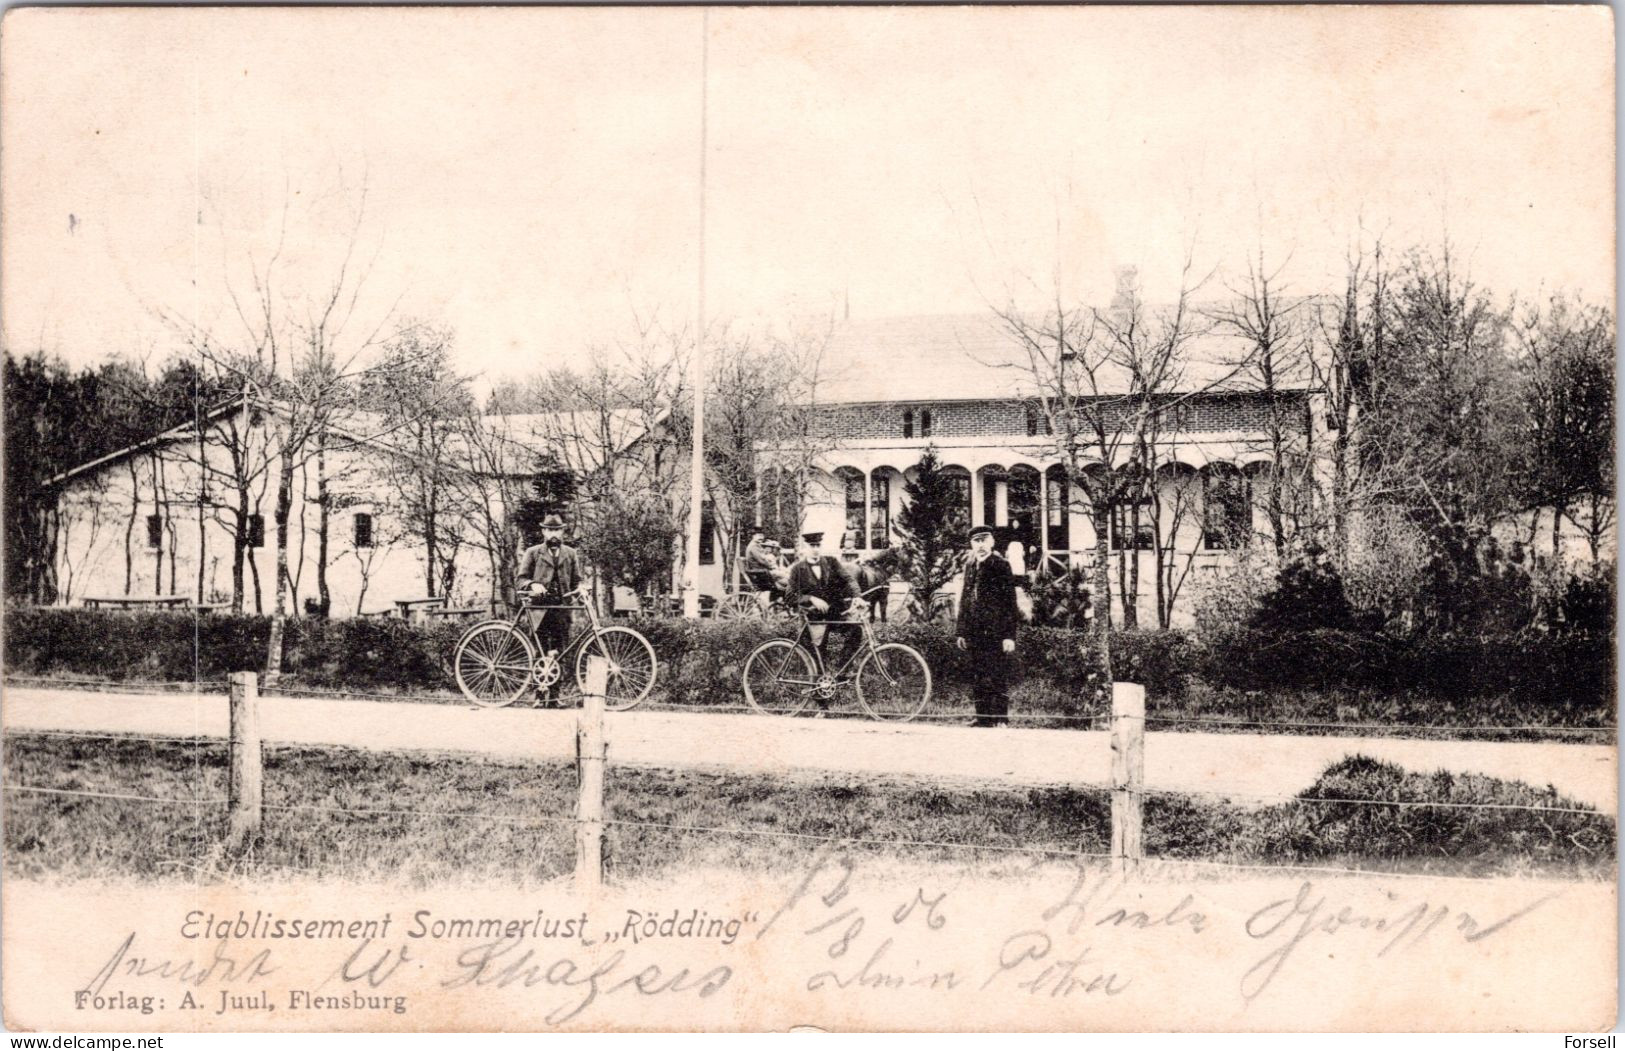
{"type": "Point", "coordinates": [991, 670]}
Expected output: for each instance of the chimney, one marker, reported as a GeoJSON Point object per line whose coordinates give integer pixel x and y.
{"type": "Point", "coordinates": [1127, 296]}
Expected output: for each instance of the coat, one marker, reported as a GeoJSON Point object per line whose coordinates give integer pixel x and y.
{"type": "Point", "coordinates": [987, 601]}
{"type": "Point", "coordinates": [759, 558]}
{"type": "Point", "coordinates": [835, 586]}
{"type": "Point", "coordinates": [559, 573]}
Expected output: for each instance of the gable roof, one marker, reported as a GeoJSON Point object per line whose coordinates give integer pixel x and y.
{"type": "Point", "coordinates": [957, 357]}
{"type": "Point", "coordinates": [531, 434]}
{"type": "Point", "coordinates": [174, 434]}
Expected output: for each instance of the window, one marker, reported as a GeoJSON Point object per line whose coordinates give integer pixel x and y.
{"type": "Point", "coordinates": [256, 530]}
{"type": "Point", "coordinates": [155, 532]}
{"type": "Point", "coordinates": [908, 423]}
{"type": "Point", "coordinates": [925, 423]}
{"type": "Point", "coordinates": [854, 508]}
{"type": "Point", "coordinates": [879, 511]}
{"type": "Point", "coordinates": [1055, 508]}
{"type": "Point", "coordinates": [363, 529]}
{"type": "Point", "coordinates": [1131, 524]}
{"type": "Point", "coordinates": [708, 534]}
{"type": "Point", "coordinates": [1227, 513]}
{"type": "Point", "coordinates": [961, 483]}
{"type": "Point", "coordinates": [1032, 421]}
{"type": "Point", "coordinates": [991, 477]}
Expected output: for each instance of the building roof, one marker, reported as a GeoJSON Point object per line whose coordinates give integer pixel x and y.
{"type": "Point", "coordinates": [580, 439]}
{"type": "Point", "coordinates": [952, 357]}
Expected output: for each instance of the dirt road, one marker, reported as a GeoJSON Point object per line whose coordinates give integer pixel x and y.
{"type": "Point", "coordinates": [1238, 765]}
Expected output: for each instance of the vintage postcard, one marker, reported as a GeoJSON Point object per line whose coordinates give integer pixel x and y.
{"type": "Point", "coordinates": [863, 518]}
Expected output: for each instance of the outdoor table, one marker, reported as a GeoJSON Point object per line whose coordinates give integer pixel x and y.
{"type": "Point", "coordinates": [409, 607]}
{"type": "Point", "coordinates": [135, 601]}
{"type": "Point", "coordinates": [454, 614]}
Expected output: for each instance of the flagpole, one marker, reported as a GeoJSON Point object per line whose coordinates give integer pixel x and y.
{"type": "Point", "coordinates": [696, 496]}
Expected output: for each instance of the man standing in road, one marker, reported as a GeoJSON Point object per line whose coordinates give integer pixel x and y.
{"type": "Point", "coordinates": [547, 573]}
{"type": "Point", "coordinates": [987, 627]}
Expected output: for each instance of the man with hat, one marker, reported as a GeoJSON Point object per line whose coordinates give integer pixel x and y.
{"type": "Point", "coordinates": [987, 627]}
{"type": "Point", "coordinates": [762, 563]}
{"type": "Point", "coordinates": [822, 584]}
{"type": "Point", "coordinates": [547, 573]}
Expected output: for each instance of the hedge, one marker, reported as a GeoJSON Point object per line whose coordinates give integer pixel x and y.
{"type": "Point", "coordinates": [1549, 669]}
{"type": "Point", "coordinates": [175, 647]}
{"type": "Point", "coordinates": [701, 660]}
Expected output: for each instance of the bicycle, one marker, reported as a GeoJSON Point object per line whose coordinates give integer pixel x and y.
{"type": "Point", "coordinates": [891, 680]}
{"type": "Point", "coordinates": [497, 660]}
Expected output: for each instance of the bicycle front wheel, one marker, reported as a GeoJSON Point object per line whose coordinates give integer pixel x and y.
{"type": "Point", "coordinates": [631, 666]}
{"type": "Point", "coordinates": [893, 682]}
{"type": "Point", "coordinates": [494, 664]}
{"type": "Point", "coordinates": [779, 677]}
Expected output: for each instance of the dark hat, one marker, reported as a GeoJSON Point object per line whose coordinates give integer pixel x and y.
{"type": "Point", "coordinates": [813, 538]}
{"type": "Point", "coordinates": [980, 530]}
{"type": "Point", "coordinates": [552, 522]}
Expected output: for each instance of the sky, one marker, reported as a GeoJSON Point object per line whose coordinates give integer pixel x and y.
{"type": "Point", "coordinates": [532, 178]}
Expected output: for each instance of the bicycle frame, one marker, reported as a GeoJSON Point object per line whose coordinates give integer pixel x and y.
{"type": "Point", "coordinates": [528, 617]}
{"type": "Point", "coordinates": [803, 641]}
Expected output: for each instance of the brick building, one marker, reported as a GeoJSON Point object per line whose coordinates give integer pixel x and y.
{"type": "Point", "coordinates": [963, 386]}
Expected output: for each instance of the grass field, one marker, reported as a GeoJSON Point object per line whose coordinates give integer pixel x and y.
{"type": "Point", "coordinates": [420, 819]}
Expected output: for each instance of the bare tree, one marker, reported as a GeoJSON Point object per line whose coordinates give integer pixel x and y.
{"type": "Point", "coordinates": [298, 352]}
{"type": "Point", "coordinates": [1277, 368]}
{"type": "Point", "coordinates": [1109, 383]}
{"type": "Point", "coordinates": [421, 402]}
{"type": "Point", "coordinates": [489, 481]}
{"type": "Point", "coordinates": [761, 410]}
{"type": "Point", "coordinates": [1565, 358]}
{"type": "Point", "coordinates": [614, 425]}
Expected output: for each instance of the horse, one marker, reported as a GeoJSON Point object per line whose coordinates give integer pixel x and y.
{"type": "Point", "coordinates": [877, 572]}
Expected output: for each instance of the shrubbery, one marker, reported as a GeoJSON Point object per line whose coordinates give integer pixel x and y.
{"type": "Point", "coordinates": [175, 647]}
{"type": "Point", "coordinates": [700, 662]}
{"type": "Point", "coordinates": [1552, 669]}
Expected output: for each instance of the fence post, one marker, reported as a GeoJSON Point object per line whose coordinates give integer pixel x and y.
{"type": "Point", "coordinates": [1128, 777]}
{"type": "Point", "coordinates": [245, 791]}
{"type": "Point", "coordinates": [591, 752]}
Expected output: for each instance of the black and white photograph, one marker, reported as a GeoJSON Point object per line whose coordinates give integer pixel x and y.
{"type": "Point", "coordinates": [876, 518]}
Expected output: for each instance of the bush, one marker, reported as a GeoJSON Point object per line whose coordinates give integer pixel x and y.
{"type": "Point", "coordinates": [166, 646]}
{"type": "Point", "coordinates": [1587, 602]}
{"type": "Point", "coordinates": [1480, 838]}
{"type": "Point", "coordinates": [1551, 670]}
{"type": "Point", "coordinates": [701, 661]}
{"type": "Point", "coordinates": [1308, 595]}
{"type": "Point", "coordinates": [178, 646]}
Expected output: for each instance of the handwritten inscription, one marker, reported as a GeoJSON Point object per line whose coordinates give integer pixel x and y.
{"type": "Point", "coordinates": [1290, 922]}
{"type": "Point", "coordinates": [839, 930]}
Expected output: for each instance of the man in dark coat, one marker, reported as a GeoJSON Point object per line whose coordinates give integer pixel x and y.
{"type": "Point", "coordinates": [819, 582]}
{"type": "Point", "coordinates": [547, 573]}
{"type": "Point", "coordinates": [761, 563]}
{"type": "Point", "coordinates": [987, 627]}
